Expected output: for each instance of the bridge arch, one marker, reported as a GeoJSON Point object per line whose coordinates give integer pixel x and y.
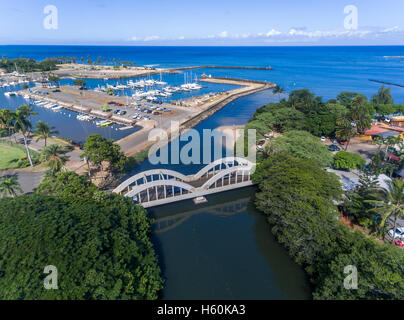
{"type": "Point", "coordinates": [160, 186]}
{"type": "Point", "coordinates": [226, 172]}
{"type": "Point", "coordinates": [226, 161]}
{"type": "Point", "coordinates": [150, 173]}
{"type": "Point", "coordinates": [155, 185]}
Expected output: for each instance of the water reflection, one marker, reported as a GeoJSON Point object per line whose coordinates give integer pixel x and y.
{"type": "Point", "coordinates": [223, 249]}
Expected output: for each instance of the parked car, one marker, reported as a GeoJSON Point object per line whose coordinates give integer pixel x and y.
{"type": "Point", "coordinates": [117, 111]}
{"type": "Point", "coordinates": [399, 233]}
{"type": "Point", "coordinates": [322, 139]}
{"type": "Point", "coordinates": [122, 113]}
{"type": "Point", "coordinates": [334, 148]}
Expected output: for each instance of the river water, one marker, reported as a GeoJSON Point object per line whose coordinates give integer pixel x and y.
{"type": "Point", "coordinates": [223, 249]}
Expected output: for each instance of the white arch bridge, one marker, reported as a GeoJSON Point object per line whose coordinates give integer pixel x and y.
{"type": "Point", "coordinates": [161, 186]}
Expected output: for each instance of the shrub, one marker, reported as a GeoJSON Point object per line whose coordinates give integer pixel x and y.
{"type": "Point", "coordinates": [347, 160]}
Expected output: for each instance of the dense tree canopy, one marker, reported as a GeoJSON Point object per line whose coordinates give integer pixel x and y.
{"type": "Point", "coordinates": [304, 145]}
{"type": "Point", "coordinates": [297, 197]}
{"type": "Point", "coordinates": [27, 65]}
{"type": "Point", "coordinates": [99, 244]}
{"type": "Point", "coordinates": [383, 96]}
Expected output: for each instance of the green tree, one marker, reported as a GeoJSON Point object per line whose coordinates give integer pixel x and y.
{"type": "Point", "coordinates": [383, 96]}
{"type": "Point", "coordinates": [23, 125]}
{"type": "Point", "coordinates": [296, 195]}
{"type": "Point", "coordinates": [347, 160]}
{"type": "Point", "coordinates": [303, 145]}
{"type": "Point", "coordinates": [55, 158]}
{"type": "Point", "coordinates": [105, 107]}
{"type": "Point", "coordinates": [278, 90]}
{"type": "Point", "coordinates": [345, 130]}
{"type": "Point", "coordinates": [109, 91]}
{"type": "Point", "coordinates": [9, 186]}
{"type": "Point", "coordinates": [356, 204]}
{"type": "Point", "coordinates": [67, 185]}
{"type": "Point", "coordinates": [98, 150]}
{"type": "Point", "coordinates": [359, 115]}
{"type": "Point", "coordinates": [101, 248]}
{"type": "Point", "coordinates": [392, 203]}
{"type": "Point", "coordinates": [379, 266]}
{"type": "Point", "coordinates": [7, 118]}
{"type": "Point", "coordinates": [345, 97]}
{"type": "Point", "coordinates": [43, 131]}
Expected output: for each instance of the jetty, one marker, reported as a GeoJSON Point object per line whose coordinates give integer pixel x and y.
{"type": "Point", "coordinates": [388, 83]}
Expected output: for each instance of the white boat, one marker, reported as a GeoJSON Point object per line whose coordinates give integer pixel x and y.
{"type": "Point", "coordinates": [10, 94]}
{"type": "Point", "coordinates": [160, 83]}
{"type": "Point", "coordinates": [57, 108]}
{"type": "Point", "coordinates": [191, 86]}
{"type": "Point", "coordinates": [84, 117]}
{"type": "Point", "coordinates": [26, 96]}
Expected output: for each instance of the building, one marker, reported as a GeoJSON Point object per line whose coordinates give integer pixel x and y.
{"type": "Point", "coordinates": [397, 121]}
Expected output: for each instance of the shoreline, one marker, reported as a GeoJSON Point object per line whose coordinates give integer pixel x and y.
{"type": "Point", "coordinates": [68, 71]}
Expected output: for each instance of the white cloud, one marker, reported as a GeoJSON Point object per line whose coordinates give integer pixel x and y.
{"type": "Point", "coordinates": [223, 34]}
{"type": "Point", "coordinates": [272, 33]}
{"type": "Point", "coordinates": [295, 34]}
{"type": "Point", "coordinates": [151, 38]}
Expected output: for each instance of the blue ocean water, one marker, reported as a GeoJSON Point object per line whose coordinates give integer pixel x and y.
{"type": "Point", "coordinates": [324, 70]}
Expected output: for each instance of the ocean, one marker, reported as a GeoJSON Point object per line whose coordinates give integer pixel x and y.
{"type": "Point", "coordinates": [324, 70]}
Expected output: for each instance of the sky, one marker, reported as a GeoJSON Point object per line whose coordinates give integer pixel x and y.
{"type": "Point", "coordinates": [205, 22]}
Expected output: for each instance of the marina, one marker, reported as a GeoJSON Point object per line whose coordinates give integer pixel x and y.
{"type": "Point", "coordinates": [133, 111]}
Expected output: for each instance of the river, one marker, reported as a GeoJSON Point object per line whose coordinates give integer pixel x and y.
{"type": "Point", "coordinates": [223, 249]}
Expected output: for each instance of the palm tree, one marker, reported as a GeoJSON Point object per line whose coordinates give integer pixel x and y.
{"type": "Point", "coordinates": [359, 115]}
{"type": "Point", "coordinates": [392, 203]}
{"type": "Point", "coordinates": [345, 130]}
{"type": "Point", "coordinates": [9, 186]}
{"type": "Point", "coordinates": [379, 141]}
{"type": "Point", "coordinates": [7, 118]}
{"type": "Point", "coordinates": [278, 90]}
{"type": "Point", "coordinates": [54, 156]}
{"type": "Point", "coordinates": [43, 131]}
{"type": "Point", "coordinates": [23, 125]}
{"type": "Point", "coordinates": [391, 141]}
{"type": "Point", "coordinates": [28, 110]}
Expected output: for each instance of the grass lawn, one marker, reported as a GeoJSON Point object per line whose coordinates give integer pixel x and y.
{"type": "Point", "coordinates": [9, 155]}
